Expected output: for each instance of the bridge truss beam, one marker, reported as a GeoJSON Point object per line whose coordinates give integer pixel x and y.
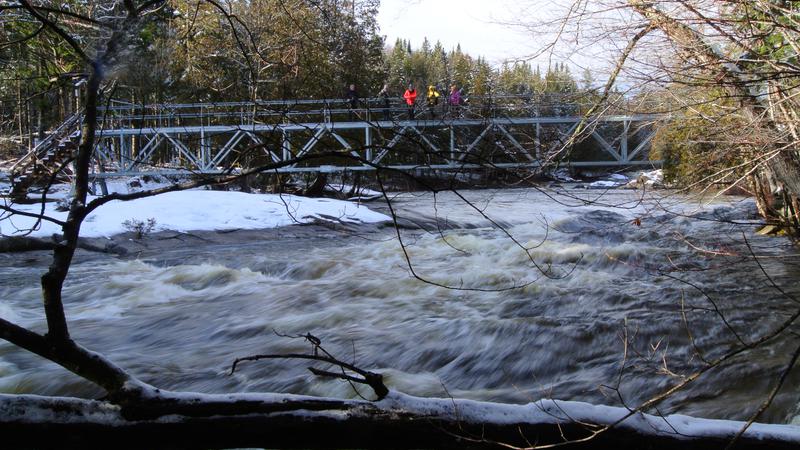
{"type": "Point", "coordinates": [444, 144]}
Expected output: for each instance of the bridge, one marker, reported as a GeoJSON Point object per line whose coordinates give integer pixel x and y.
{"type": "Point", "coordinates": [214, 138]}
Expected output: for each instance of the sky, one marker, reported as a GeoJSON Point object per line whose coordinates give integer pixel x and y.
{"type": "Point", "coordinates": [472, 23]}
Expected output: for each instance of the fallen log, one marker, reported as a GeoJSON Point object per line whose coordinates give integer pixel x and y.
{"type": "Point", "coordinates": [19, 244]}
{"type": "Point", "coordinates": [14, 244]}
{"type": "Point", "coordinates": [172, 420]}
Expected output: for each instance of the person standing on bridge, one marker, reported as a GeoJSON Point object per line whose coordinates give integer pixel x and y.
{"type": "Point", "coordinates": [411, 97]}
{"type": "Point", "coordinates": [433, 100]}
{"type": "Point", "coordinates": [385, 99]}
{"type": "Point", "coordinates": [352, 100]}
{"type": "Point", "coordinates": [454, 101]}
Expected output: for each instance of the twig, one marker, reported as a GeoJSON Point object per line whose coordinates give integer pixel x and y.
{"type": "Point", "coordinates": [371, 379]}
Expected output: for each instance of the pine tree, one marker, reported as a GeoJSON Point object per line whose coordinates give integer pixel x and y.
{"type": "Point", "coordinates": [587, 80]}
{"type": "Point", "coordinates": [438, 68]}
{"type": "Point", "coordinates": [461, 69]}
{"type": "Point", "coordinates": [396, 62]}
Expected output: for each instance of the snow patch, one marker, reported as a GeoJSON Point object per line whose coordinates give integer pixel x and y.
{"type": "Point", "coordinates": [201, 210]}
{"type": "Point", "coordinates": [360, 191]}
{"type": "Point", "coordinates": [603, 184]}
{"type": "Point", "coordinates": [653, 176]}
{"type": "Point", "coordinates": [556, 411]}
{"type": "Point", "coordinates": [647, 179]}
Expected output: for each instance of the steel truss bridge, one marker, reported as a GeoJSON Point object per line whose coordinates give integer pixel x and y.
{"type": "Point", "coordinates": [215, 138]}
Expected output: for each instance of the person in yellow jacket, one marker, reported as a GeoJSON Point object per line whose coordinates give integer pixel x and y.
{"type": "Point", "coordinates": [433, 100]}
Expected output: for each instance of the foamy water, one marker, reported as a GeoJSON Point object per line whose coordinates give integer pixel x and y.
{"type": "Point", "coordinates": [543, 315]}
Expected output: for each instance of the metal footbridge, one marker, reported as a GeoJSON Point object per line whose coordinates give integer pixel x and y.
{"type": "Point", "coordinates": [215, 138]}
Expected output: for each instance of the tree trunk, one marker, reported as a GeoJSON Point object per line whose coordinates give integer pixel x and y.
{"type": "Point", "coordinates": [762, 194]}
{"type": "Point", "coordinates": [317, 188]}
{"type": "Point", "coordinates": [783, 169]}
{"type": "Point", "coordinates": [20, 109]}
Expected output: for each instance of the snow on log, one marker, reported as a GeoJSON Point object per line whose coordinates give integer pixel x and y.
{"type": "Point", "coordinates": [173, 420]}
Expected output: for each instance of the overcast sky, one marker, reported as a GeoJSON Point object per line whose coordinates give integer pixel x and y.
{"type": "Point", "coordinates": [469, 22]}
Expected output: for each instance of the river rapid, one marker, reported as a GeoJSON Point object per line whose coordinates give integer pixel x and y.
{"type": "Point", "coordinates": [515, 295]}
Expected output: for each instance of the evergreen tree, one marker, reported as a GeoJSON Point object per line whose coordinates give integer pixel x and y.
{"type": "Point", "coordinates": [438, 66]}
{"type": "Point", "coordinates": [461, 69]}
{"type": "Point", "coordinates": [483, 79]}
{"type": "Point", "coordinates": [587, 80]}
{"type": "Point", "coordinates": [516, 79]}
{"type": "Point", "coordinates": [396, 62]}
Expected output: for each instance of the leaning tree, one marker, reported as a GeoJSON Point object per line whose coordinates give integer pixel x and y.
{"type": "Point", "coordinates": [726, 72]}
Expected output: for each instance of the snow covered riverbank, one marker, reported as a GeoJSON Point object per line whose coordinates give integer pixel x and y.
{"type": "Point", "coordinates": [207, 210]}
{"type": "Point", "coordinates": [199, 210]}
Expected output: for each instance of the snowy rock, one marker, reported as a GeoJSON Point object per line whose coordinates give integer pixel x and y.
{"type": "Point", "coordinates": [653, 178]}
{"type": "Point", "coordinates": [562, 175]}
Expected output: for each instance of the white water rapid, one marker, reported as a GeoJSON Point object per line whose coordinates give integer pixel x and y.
{"type": "Point", "coordinates": [599, 309]}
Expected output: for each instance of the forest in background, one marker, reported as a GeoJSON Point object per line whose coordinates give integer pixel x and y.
{"type": "Point", "coordinates": [263, 50]}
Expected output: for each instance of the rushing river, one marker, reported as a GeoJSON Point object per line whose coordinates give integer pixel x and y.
{"type": "Point", "coordinates": [599, 308]}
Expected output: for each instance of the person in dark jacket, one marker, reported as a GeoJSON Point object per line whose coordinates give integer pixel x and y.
{"type": "Point", "coordinates": [352, 100]}
{"type": "Point", "coordinates": [385, 99]}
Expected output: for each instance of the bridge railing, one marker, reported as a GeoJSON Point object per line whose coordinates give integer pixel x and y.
{"type": "Point", "coordinates": [338, 110]}
{"type": "Point", "coordinates": [68, 127]}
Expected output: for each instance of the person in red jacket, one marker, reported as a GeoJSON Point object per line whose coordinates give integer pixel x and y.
{"type": "Point", "coordinates": [411, 97]}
